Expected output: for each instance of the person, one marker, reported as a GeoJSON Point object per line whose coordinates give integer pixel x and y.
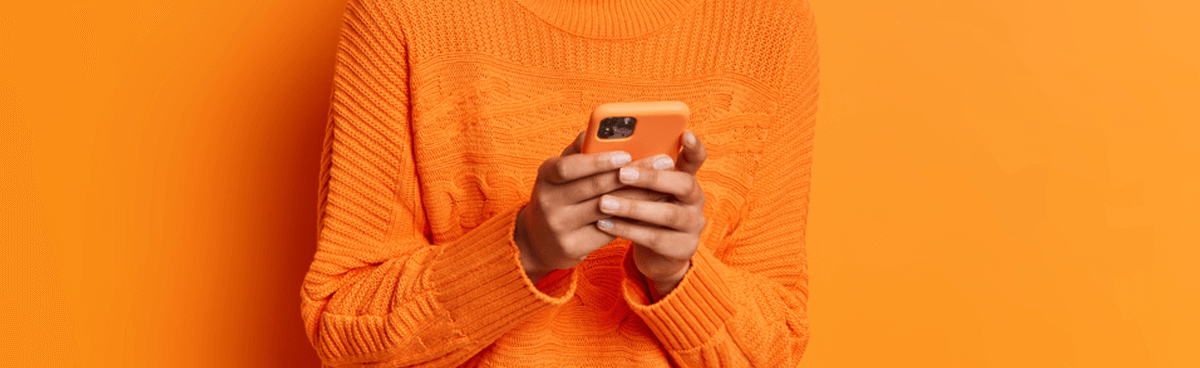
{"type": "Point", "coordinates": [456, 230]}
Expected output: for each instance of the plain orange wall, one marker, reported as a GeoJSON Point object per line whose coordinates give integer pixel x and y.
{"type": "Point", "coordinates": [996, 183]}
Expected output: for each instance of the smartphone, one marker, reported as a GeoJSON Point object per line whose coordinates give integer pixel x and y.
{"type": "Point", "coordinates": [643, 129]}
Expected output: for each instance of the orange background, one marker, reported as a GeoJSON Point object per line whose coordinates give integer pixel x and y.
{"type": "Point", "coordinates": [996, 183]}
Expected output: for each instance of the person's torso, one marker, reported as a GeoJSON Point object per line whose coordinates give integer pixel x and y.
{"type": "Point", "coordinates": [495, 90]}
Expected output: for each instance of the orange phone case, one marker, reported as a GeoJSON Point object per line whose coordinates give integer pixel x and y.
{"type": "Point", "coordinates": [658, 129]}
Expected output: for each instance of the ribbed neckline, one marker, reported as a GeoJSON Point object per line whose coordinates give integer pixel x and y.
{"type": "Point", "coordinates": [608, 19]}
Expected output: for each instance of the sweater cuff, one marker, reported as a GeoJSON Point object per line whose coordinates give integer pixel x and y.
{"type": "Point", "coordinates": [480, 282]}
{"type": "Point", "coordinates": [688, 317]}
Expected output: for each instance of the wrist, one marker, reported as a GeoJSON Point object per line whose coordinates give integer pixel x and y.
{"type": "Point", "coordinates": [664, 285]}
{"type": "Point", "coordinates": [528, 261]}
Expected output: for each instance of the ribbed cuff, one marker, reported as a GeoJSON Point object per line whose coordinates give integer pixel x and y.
{"type": "Point", "coordinates": [690, 315]}
{"type": "Point", "coordinates": [480, 281]}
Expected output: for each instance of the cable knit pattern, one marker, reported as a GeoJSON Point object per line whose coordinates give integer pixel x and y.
{"type": "Point", "coordinates": [441, 113]}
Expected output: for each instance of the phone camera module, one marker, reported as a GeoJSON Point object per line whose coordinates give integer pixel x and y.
{"type": "Point", "coordinates": [617, 127]}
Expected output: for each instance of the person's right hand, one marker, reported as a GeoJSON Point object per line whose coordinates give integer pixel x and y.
{"type": "Point", "coordinates": [555, 230]}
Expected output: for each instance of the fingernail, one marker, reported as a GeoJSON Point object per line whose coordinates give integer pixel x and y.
{"type": "Point", "coordinates": [605, 223]}
{"type": "Point", "coordinates": [609, 204]}
{"type": "Point", "coordinates": [629, 174]}
{"type": "Point", "coordinates": [689, 139]}
{"type": "Point", "coordinates": [664, 163]}
{"type": "Point", "coordinates": [621, 158]}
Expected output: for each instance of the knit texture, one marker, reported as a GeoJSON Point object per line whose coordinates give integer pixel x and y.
{"type": "Point", "coordinates": [441, 113]}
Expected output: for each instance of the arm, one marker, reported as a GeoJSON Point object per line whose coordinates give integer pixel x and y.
{"type": "Point", "coordinates": [747, 307]}
{"type": "Point", "coordinates": [378, 291]}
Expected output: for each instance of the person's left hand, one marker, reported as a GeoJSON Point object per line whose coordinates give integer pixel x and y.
{"type": "Point", "coordinates": [665, 234]}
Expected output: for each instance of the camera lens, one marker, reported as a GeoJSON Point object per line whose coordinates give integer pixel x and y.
{"type": "Point", "coordinates": [616, 127]}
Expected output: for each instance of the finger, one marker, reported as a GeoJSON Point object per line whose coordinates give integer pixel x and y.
{"type": "Point", "coordinates": [665, 214]}
{"type": "Point", "coordinates": [575, 146]}
{"type": "Point", "coordinates": [558, 170]}
{"type": "Point", "coordinates": [589, 188]}
{"type": "Point", "coordinates": [656, 162]}
{"type": "Point", "coordinates": [582, 214]}
{"type": "Point", "coordinates": [638, 193]}
{"type": "Point", "coordinates": [666, 242]}
{"type": "Point", "coordinates": [647, 163]}
{"type": "Point", "coordinates": [682, 185]}
{"type": "Point", "coordinates": [693, 155]}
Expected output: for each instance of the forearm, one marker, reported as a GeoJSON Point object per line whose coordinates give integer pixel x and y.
{"type": "Point", "coordinates": [463, 295]}
{"type": "Point", "coordinates": [722, 316]}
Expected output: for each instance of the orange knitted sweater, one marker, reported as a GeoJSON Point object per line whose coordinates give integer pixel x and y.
{"type": "Point", "coordinates": [441, 113]}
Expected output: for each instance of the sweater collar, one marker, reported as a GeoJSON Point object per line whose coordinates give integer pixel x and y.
{"type": "Point", "coordinates": [607, 19]}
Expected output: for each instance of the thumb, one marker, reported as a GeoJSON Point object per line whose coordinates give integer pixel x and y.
{"type": "Point", "coordinates": [575, 146]}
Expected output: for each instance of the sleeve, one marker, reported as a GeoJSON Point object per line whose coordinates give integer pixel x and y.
{"type": "Point", "coordinates": [747, 307]}
{"type": "Point", "coordinates": [378, 292]}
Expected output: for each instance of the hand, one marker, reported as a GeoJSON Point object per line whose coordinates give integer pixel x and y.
{"type": "Point", "coordinates": [554, 230]}
{"type": "Point", "coordinates": [665, 234]}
